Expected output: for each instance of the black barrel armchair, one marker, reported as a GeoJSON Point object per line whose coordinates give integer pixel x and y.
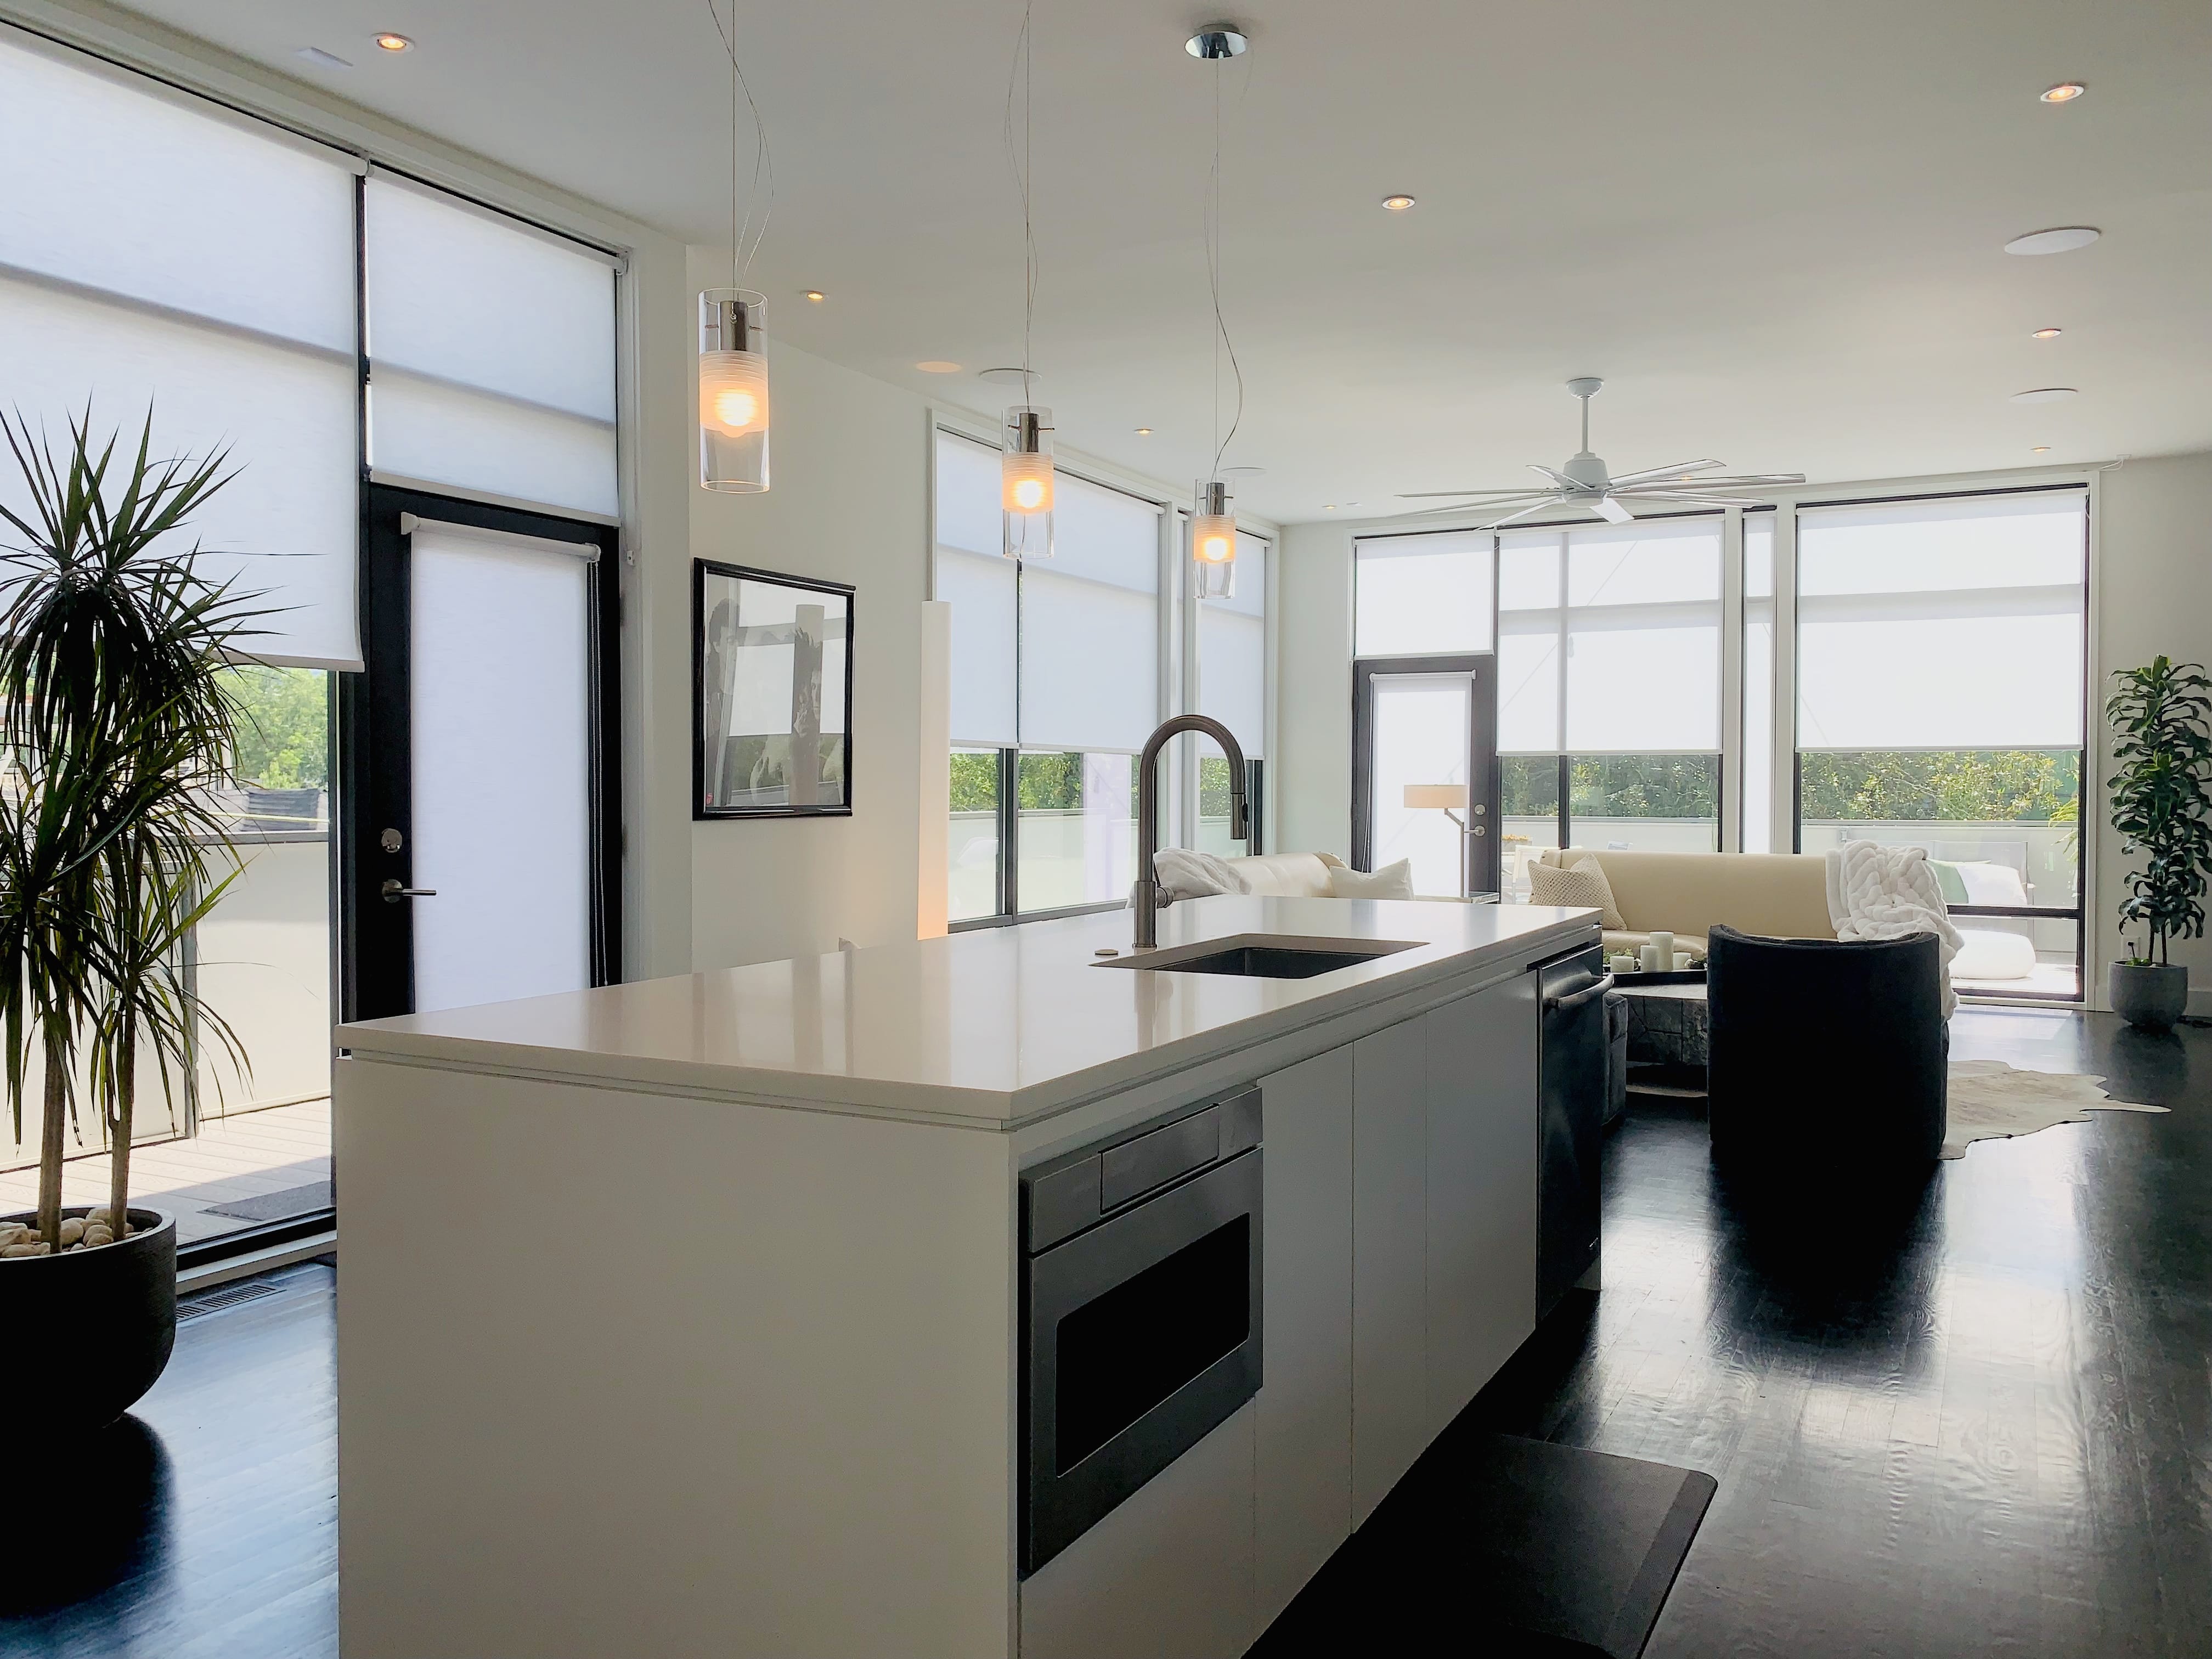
{"type": "Point", "coordinates": [1827, 1058]}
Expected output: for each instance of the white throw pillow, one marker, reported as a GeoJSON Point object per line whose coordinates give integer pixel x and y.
{"type": "Point", "coordinates": [1188, 874]}
{"type": "Point", "coordinates": [1582, 888]}
{"type": "Point", "coordinates": [1392, 881]}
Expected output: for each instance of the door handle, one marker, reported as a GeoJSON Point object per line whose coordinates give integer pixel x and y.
{"type": "Point", "coordinates": [1590, 992]}
{"type": "Point", "coordinates": [393, 891]}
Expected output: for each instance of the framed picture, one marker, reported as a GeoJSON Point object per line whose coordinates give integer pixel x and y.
{"type": "Point", "coordinates": [771, 694]}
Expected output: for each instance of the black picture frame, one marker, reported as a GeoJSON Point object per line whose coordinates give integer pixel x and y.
{"type": "Point", "coordinates": [719, 629]}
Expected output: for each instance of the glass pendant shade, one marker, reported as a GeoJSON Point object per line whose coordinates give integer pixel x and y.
{"type": "Point", "coordinates": [1025, 482]}
{"type": "Point", "coordinates": [733, 391]}
{"type": "Point", "coordinates": [1213, 541]}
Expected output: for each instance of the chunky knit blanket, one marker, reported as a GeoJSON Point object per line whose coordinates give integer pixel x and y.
{"type": "Point", "coordinates": [1888, 892]}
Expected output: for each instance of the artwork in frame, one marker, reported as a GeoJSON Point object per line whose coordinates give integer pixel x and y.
{"type": "Point", "coordinates": [772, 694]}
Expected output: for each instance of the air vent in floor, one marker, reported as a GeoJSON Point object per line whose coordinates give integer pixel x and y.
{"type": "Point", "coordinates": [227, 1296]}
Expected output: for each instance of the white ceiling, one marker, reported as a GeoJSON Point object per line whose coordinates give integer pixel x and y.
{"type": "Point", "coordinates": [1774, 229]}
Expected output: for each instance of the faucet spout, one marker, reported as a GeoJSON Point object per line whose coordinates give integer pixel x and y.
{"type": "Point", "coordinates": [1146, 898]}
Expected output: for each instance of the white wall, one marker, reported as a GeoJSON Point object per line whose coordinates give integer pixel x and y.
{"type": "Point", "coordinates": [849, 460]}
{"type": "Point", "coordinates": [2154, 595]}
{"type": "Point", "coordinates": [1313, 714]}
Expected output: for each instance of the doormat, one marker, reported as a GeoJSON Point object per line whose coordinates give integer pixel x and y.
{"type": "Point", "coordinates": [1989, 1100]}
{"type": "Point", "coordinates": [1516, 1546]}
{"type": "Point", "coordinates": [279, 1206]}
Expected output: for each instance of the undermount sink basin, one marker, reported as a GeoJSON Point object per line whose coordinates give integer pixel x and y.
{"type": "Point", "coordinates": [1262, 955]}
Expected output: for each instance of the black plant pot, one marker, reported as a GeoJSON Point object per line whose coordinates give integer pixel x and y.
{"type": "Point", "coordinates": [106, 1318]}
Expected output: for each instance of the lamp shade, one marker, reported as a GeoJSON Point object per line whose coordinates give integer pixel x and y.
{"type": "Point", "coordinates": [1025, 482]}
{"type": "Point", "coordinates": [1449, 796]}
{"type": "Point", "coordinates": [733, 405]}
{"type": "Point", "coordinates": [1213, 541]}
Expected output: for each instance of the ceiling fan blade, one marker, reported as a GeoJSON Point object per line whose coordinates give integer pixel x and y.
{"type": "Point", "coordinates": [1420, 494]}
{"type": "Point", "coordinates": [1733, 481]}
{"type": "Point", "coordinates": [1559, 479]}
{"type": "Point", "coordinates": [1612, 511]}
{"type": "Point", "coordinates": [1674, 499]}
{"type": "Point", "coordinates": [1544, 506]}
{"type": "Point", "coordinates": [1476, 506]}
{"type": "Point", "coordinates": [1652, 474]}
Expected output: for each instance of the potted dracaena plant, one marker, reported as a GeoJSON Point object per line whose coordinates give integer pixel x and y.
{"type": "Point", "coordinates": [2161, 720]}
{"type": "Point", "coordinates": [117, 723]}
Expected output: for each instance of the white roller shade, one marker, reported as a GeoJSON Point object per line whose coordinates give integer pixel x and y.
{"type": "Point", "coordinates": [1423, 595]}
{"type": "Point", "coordinates": [491, 353]}
{"type": "Point", "coordinates": [1943, 624]}
{"type": "Point", "coordinates": [156, 252]}
{"type": "Point", "coordinates": [979, 584]}
{"type": "Point", "coordinates": [1232, 652]}
{"type": "Point", "coordinates": [1643, 638]}
{"type": "Point", "coordinates": [1090, 623]}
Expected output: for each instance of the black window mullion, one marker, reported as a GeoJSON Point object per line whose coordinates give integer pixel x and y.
{"type": "Point", "coordinates": [1010, 819]}
{"type": "Point", "coordinates": [1566, 777]}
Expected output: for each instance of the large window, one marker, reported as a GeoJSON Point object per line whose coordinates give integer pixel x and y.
{"type": "Point", "coordinates": [1940, 704]}
{"type": "Point", "coordinates": [1055, 686]}
{"type": "Point", "coordinates": [1609, 689]}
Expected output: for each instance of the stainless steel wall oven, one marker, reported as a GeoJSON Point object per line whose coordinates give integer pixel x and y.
{"type": "Point", "coordinates": [1140, 1310]}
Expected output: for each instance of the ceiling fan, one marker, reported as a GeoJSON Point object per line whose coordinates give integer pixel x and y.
{"type": "Point", "coordinates": [1584, 483]}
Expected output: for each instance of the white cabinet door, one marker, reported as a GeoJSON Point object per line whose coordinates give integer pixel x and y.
{"type": "Point", "coordinates": [1305, 1417]}
{"type": "Point", "coordinates": [1481, 1188]}
{"type": "Point", "coordinates": [1389, 1260]}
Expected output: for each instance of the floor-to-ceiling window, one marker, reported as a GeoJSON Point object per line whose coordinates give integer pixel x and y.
{"type": "Point", "coordinates": [1609, 688]}
{"type": "Point", "coordinates": [158, 253]}
{"type": "Point", "coordinates": [1940, 704]}
{"type": "Point", "coordinates": [1055, 686]}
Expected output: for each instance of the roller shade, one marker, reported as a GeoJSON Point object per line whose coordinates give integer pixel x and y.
{"type": "Point", "coordinates": [979, 584]}
{"type": "Point", "coordinates": [1423, 595]}
{"type": "Point", "coordinates": [1090, 623]}
{"type": "Point", "coordinates": [491, 350]}
{"type": "Point", "coordinates": [1232, 652]}
{"type": "Point", "coordinates": [1943, 624]}
{"type": "Point", "coordinates": [158, 252]}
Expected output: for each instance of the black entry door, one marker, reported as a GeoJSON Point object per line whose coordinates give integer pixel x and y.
{"type": "Point", "coordinates": [1428, 723]}
{"type": "Point", "coordinates": [479, 758]}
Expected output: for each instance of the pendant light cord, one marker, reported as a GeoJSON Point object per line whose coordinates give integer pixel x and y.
{"type": "Point", "coordinates": [742, 251]}
{"type": "Point", "coordinates": [1221, 340]}
{"type": "Point", "coordinates": [1019, 160]}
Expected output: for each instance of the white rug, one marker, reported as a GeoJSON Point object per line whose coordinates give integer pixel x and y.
{"type": "Point", "coordinates": [1990, 1100]}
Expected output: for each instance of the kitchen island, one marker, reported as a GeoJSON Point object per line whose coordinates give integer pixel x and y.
{"type": "Point", "coordinates": [690, 1315]}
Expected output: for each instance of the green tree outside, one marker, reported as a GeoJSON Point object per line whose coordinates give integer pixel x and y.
{"type": "Point", "coordinates": [284, 726]}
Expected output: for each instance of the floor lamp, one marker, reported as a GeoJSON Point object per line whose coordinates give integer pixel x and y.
{"type": "Point", "coordinates": [1451, 800]}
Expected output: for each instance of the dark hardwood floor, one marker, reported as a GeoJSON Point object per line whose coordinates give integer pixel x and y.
{"type": "Point", "coordinates": [205, 1525]}
{"type": "Point", "coordinates": [1983, 1424]}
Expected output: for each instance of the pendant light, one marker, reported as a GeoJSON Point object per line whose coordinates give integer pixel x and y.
{"type": "Point", "coordinates": [1213, 523]}
{"type": "Point", "coordinates": [733, 400]}
{"type": "Point", "coordinates": [1025, 474]}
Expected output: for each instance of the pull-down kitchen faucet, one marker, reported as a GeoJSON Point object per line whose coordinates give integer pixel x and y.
{"type": "Point", "coordinates": [1147, 899]}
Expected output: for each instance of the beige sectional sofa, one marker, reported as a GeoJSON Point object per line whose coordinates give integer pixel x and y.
{"type": "Point", "coordinates": [1780, 895]}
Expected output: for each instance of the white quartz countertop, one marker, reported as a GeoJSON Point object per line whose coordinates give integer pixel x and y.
{"type": "Point", "coordinates": [996, 1027]}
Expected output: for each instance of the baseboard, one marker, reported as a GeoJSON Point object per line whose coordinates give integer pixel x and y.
{"type": "Point", "coordinates": [255, 1262]}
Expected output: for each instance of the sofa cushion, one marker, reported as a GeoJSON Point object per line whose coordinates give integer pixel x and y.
{"type": "Point", "coordinates": [1186, 873]}
{"type": "Point", "coordinates": [1392, 881]}
{"type": "Point", "coordinates": [1779, 895]}
{"type": "Point", "coordinates": [1583, 886]}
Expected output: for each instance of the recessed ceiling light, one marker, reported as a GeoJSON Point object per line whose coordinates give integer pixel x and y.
{"type": "Point", "coordinates": [2046, 334]}
{"type": "Point", "coordinates": [1007, 376]}
{"type": "Point", "coordinates": [817, 296]}
{"type": "Point", "coordinates": [2046, 394]}
{"type": "Point", "coordinates": [937, 366]}
{"type": "Point", "coordinates": [1143, 432]}
{"type": "Point", "coordinates": [2064, 239]}
{"type": "Point", "coordinates": [1397, 204]}
{"type": "Point", "coordinates": [2039, 449]}
{"type": "Point", "coordinates": [2064, 92]}
{"type": "Point", "coordinates": [322, 59]}
{"type": "Point", "coordinates": [391, 42]}
{"type": "Point", "coordinates": [1328, 507]}
{"type": "Point", "coordinates": [1216, 41]}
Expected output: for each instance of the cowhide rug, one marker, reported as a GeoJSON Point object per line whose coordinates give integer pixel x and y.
{"type": "Point", "coordinates": [1990, 1100]}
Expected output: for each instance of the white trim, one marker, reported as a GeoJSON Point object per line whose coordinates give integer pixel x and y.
{"type": "Point", "coordinates": [1732, 698]}
{"type": "Point", "coordinates": [380, 175]}
{"type": "Point", "coordinates": [486, 498]}
{"type": "Point", "coordinates": [1782, 767]}
{"type": "Point", "coordinates": [587, 552]}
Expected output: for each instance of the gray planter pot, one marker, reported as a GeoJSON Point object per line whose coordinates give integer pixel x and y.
{"type": "Point", "coordinates": [2153, 996]}
{"type": "Point", "coordinates": [107, 1317]}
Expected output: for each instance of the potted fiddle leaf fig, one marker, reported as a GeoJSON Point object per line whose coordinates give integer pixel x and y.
{"type": "Point", "coordinates": [2161, 720]}
{"type": "Point", "coordinates": [116, 725]}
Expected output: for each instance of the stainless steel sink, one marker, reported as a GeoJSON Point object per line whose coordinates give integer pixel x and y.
{"type": "Point", "coordinates": [1262, 955]}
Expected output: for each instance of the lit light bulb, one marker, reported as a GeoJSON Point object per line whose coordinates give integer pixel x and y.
{"type": "Point", "coordinates": [733, 396]}
{"type": "Point", "coordinates": [1028, 494]}
{"type": "Point", "coordinates": [734, 391]}
{"type": "Point", "coordinates": [1213, 541]}
{"type": "Point", "coordinates": [1217, 549]}
{"type": "Point", "coordinates": [1025, 482]}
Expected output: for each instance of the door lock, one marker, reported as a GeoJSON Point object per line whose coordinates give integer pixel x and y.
{"type": "Point", "coordinates": [1480, 829]}
{"type": "Point", "coordinates": [394, 890]}
{"type": "Point", "coordinates": [391, 840]}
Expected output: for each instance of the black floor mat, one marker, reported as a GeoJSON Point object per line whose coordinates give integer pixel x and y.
{"type": "Point", "coordinates": [1499, 1546]}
